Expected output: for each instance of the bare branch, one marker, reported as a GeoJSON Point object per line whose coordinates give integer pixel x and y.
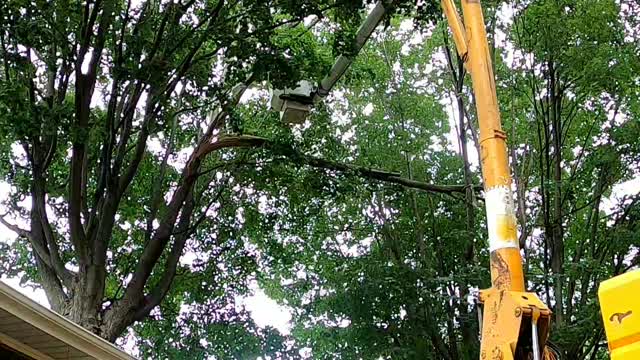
{"type": "Point", "coordinates": [156, 196]}
{"type": "Point", "coordinates": [38, 247]}
{"type": "Point", "coordinates": [15, 228]}
{"type": "Point", "coordinates": [297, 157]}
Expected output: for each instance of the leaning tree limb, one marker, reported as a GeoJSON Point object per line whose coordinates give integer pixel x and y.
{"type": "Point", "coordinates": [297, 157]}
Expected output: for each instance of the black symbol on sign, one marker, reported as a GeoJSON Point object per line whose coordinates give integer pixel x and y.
{"type": "Point", "coordinates": [620, 316]}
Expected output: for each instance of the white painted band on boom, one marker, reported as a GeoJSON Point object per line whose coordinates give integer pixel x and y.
{"type": "Point", "coordinates": [501, 218]}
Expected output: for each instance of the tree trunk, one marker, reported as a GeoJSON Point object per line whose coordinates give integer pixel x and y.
{"type": "Point", "coordinates": [468, 321]}
{"type": "Point", "coordinates": [557, 249]}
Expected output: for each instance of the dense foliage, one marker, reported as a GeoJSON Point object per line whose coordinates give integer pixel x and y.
{"type": "Point", "coordinates": [150, 184]}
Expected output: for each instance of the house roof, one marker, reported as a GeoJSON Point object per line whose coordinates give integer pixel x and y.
{"type": "Point", "coordinates": [40, 333]}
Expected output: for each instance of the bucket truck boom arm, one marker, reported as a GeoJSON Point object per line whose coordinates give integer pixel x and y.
{"type": "Point", "coordinates": [515, 323]}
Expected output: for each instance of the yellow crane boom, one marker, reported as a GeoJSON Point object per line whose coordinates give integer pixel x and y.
{"type": "Point", "coordinates": [515, 323]}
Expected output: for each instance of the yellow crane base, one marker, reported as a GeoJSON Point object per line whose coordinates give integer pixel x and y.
{"type": "Point", "coordinates": [515, 325]}
{"type": "Point", "coordinates": [620, 308]}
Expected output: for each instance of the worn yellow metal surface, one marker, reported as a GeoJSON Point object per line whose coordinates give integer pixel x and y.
{"type": "Point", "coordinates": [506, 325]}
{"type": "Point", "coordinates": [620, 310]}
{"type": "Point", "coordinates": [456, 26]}
{"type": "Point", "coordinates": [506, 261]}
{"type": "Point", "coordinates": [513, 320]}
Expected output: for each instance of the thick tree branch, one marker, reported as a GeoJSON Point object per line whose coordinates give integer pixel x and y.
{"type": "Point", "coordinates": [385, 176]}
{"type": "Point", "coordinates": [41, 252]}
{"type": "Point", "coordinates": [154, 248]}
{"type": "Point", "coordinates": [85, 86]}
{"type": "Point", "coordinates": [51, 285]}
{"type": "Point", "coordinates": [42, 232]}
{"type": "Point", "coordinates": [156, 195]}
{"type": "Point", "coordinates": [302, 159]}
{"type": "Point", "coordinates": [15, 228]}
{"type": "Point", "coordinates": [160, 290]}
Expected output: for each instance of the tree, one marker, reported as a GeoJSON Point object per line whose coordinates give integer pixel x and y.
{"type": "Point", "coordinates": [146, 193]}
{"type": "Point", "coordinates": [579, 75]}
{"type": "Point", "coordinates": [362, 289]}
{"type": "Point", "coordinates": [123, 138]}
{"type": "Point", "coordinates": [379, 271]}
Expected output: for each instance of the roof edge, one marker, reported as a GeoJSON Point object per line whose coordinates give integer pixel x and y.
{"type": "Point", "coordinates": [57, 326]}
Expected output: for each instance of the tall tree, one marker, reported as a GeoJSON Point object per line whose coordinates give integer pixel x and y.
{"type": "Point", "coordinates": [144, 191]}
{"type": "Point", "coordinates": [119, 121]}
{"type": "Point", "coordinates": [575, 83]}
{"type": "Point", "coordinates": [364, 290]}
{"type": "Point", "coordinates": [382, 272]}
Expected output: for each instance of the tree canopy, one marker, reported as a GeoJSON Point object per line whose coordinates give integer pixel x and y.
{"type": "Point", "coordinates": [149, 184]}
